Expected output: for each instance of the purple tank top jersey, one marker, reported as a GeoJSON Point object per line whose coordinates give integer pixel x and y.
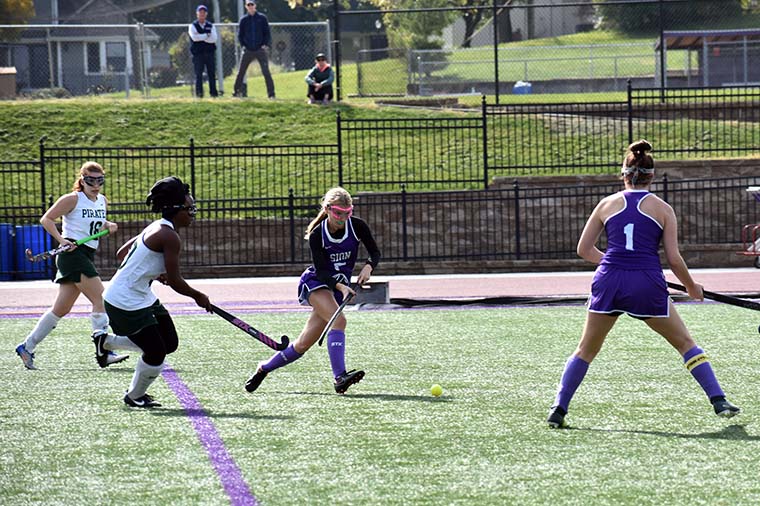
{"type": "Point", "coordinates": [342, 251]}
{"type": "Point", "coordinates": [633, 238]}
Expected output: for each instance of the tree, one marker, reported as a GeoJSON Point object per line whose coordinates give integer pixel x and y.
{"type": "Point", "coordinates": [421, 29]}
{"type": "Point", "coordinates": [15, 12]}
{"type": "Point", "coordinates": [645, 18]}
{"type": "Point", "coordinates": [183, 11]}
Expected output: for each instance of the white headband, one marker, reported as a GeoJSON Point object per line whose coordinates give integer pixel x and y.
{"type": "Point", "coordinates": [631, 170]}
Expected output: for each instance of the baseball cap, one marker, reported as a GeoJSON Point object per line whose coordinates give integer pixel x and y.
{"type": "Point", "coordinates": [250, 2]}
{"type": "Point", "coordinates": [320, 56]}
{"type": "Point", "coordinates": [201, 8]}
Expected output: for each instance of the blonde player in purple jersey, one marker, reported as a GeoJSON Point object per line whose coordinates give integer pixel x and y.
{"type": "Point", "coordinates": [629, 279]}
{"type": "Point", "coordinates": [334, 237]}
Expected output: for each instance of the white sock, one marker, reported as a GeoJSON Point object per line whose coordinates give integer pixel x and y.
{"type": "Point", "coordinates": [144, 375]}
{"type": "Point", "coordinates": [45, 326]}
{"type": "Point", "coordinates": [99, 322]}
{"type": "Point", "coordinates": [114, 342]}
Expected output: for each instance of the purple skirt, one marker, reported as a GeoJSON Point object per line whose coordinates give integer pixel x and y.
{"type": "Point", "coordinates": [309, 282]}
{"type": "Point", "coordinates": [642, 294]}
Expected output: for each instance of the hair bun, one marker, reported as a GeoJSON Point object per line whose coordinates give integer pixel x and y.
{"type": "Point", "coordinates": [640, 147]}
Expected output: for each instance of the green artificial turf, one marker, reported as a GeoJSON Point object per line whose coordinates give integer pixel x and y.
{"type": "Point", "coordinates": [642, 430]}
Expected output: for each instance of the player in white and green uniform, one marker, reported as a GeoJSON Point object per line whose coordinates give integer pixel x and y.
{"type": "Point", "coordinates": [133, 308]}
{"type": "Point", "coordinates": [83, 212]}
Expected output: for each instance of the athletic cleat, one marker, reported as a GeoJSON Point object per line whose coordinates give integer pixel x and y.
{"type": "Point", "coordinates": [347, 379]}
{"type": "Point", "coordinates": [254, 381]}
{"type": "Point", "coordinates": [146, 401]}
{"type": "Point", "coordinates": [725, 409]}
{"type": "Point", "coordinates": [556, 419]}
{"type": "Point", "coordinates": [102, 355]}
{"type": "Point", "coordinates": [113, 358]}
{"type": "Point", "coordinates": [26, 357]}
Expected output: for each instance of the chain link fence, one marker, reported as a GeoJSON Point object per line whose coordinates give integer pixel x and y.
{"type": "Point", "coordinates": [147, 60]}
{"type": "Point", "coordinates": [548, 46]}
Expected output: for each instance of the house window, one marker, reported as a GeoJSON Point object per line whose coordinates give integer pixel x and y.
{"type": "Point", "coordinates": [106, 57]}
{"type": "Point", "coordinates": [93, 58]}
{"type": "Point", "coordinates": [116, 56]}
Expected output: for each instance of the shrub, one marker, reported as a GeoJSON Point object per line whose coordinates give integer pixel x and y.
{"type": "Point", "coordinates": [162, 77]}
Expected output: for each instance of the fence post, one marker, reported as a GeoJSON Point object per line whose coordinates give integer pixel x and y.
{"type": "Point", "coordinates": [485, 142]}
{"type": "Point", "coordinates": [665, 187]}
{"type": "Point", "coordinates": [192, 165]}
{"type": "Point", "coordinates": [292, 218]}
{"type": "Point", "coordinates": [495, 51]}
{"type": "Point", "coordinates": [359, 84]}
{"type": "Point", "coordinates": [663, 74]}
{"type": "Point", "coordinates": [516, 188]}
{"type": "Point", "coordinates": [630, 112]}
{"type": "Point", "coordinates": [143, 61]}
{"type": "Point", "coordinates": [404, 235]}
{"type": "Point", "coordinates": [339, 126]}
{"type": "Point", "coordinates": [336, 43]}
{"type": "Point", "coordinates": [42, 174]}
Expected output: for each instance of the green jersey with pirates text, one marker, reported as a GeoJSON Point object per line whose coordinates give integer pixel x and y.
{"type": "Point", "coordinates": [86, 219]}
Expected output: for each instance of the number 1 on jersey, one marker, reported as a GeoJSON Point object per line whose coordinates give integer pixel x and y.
{"type": "Point", "coordinates": [628, 231]}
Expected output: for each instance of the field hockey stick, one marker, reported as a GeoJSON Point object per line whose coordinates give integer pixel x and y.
{"type": "Point", "coordinates": [726, 299]}
{"type": "Point", "coordinates": [260, 336]}
{"type": "Point", "coordinates": [335, 317]}
{"type": "Point", "coordinates": [60, 249]}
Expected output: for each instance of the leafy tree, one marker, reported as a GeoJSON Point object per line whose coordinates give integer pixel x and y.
{"type": "Point", "coordinates": [14, 12]}
{"type": "Point", "coordinates": [419, 30]}
{"type": "Point", "coordinates": [183, 11]}
{"type": "Point", "coordinates": [645, 18]}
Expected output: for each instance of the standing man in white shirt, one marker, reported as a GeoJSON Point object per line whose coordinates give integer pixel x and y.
{"type": "Point", "coordinates": [203, 39]}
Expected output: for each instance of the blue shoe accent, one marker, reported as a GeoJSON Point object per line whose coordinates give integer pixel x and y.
{"type": "Point", "coordinates": [26, 357]}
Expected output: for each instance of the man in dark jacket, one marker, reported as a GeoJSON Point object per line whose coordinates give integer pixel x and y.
{"type": "Point", "coordinates": [203, 38]}
{"type": "Point", "coordinates": [255, 37]}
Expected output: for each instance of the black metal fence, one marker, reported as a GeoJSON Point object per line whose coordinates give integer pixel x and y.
{"type": "Point", "coordinates": [259, 198]}
{"type": "Point", "coordinates": [591, 137]}
{"type": "Point", "coordinates": [518, 223]}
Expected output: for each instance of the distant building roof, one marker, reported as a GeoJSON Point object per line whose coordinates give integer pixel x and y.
{"type": "Point", "coordinates": [692, 39]}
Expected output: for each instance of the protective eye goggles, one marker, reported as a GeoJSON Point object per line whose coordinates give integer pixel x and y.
{"type": "Point", "coordinates": [94, 180]}
{"type": "Point", "coordinates": [191, 209]}
{"type": "Point", "coordinates": [340, 213]}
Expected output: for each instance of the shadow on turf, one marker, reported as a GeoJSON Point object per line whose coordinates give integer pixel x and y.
{"type": "Point", "coordinates": [381, 397]}
{"type": "Point", "coordinates": [734, 432]}
{"type": "Point", "coordinates": [201, 413]}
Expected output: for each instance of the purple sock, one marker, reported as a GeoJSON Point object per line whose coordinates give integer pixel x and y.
{"type": "Point", "coordinates": [336, 348]}
{"type": "Point", "coordinates": [281, 358]}
{"type": "Point", "coordinates": [575, 370]}
{"type": "Point", "coordinates": [696, 362]}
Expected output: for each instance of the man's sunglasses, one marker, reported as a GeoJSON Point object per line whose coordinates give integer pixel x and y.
{"type": "Point", "coordinates": [94, 180]}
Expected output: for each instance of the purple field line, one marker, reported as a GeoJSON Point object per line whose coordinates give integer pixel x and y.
{"type": "Point", "coordinates": [229, 473]}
